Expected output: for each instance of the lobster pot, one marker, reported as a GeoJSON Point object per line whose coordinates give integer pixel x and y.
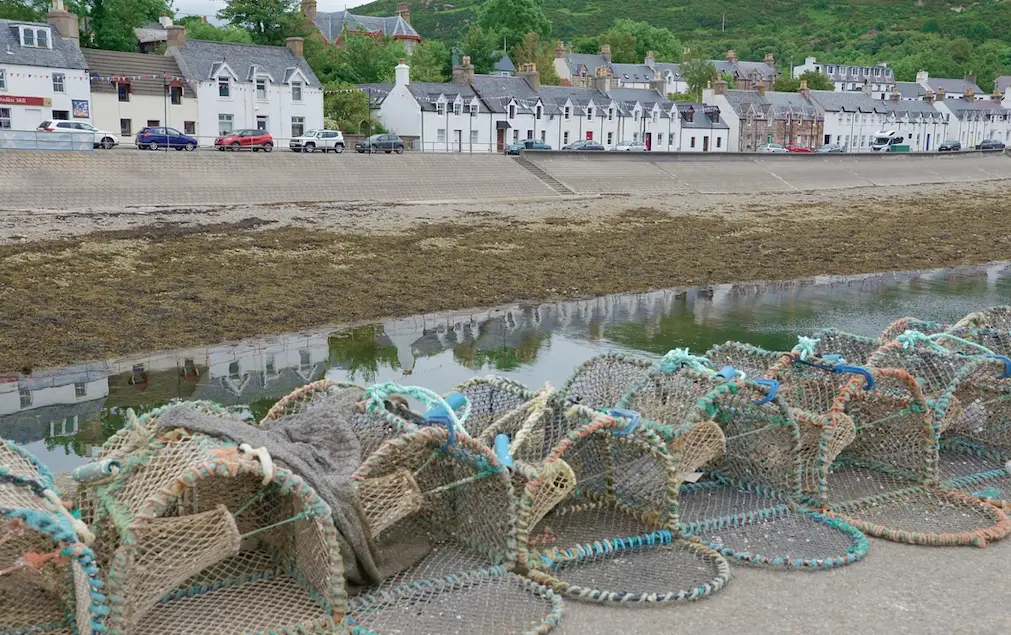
{"type": "Point", "coordinates": [371, 428]}
{"type": "Point", "coordinates": [900, 326]}
{"type": "Point", "coordinates": [997, 318]}
{"type": "Point", "coordinates": [615, 536]}
{"type": "Point", "coordinates": [490, 399]}
{"type": "Point", "coordinates": [854, 349]}
{"type": "Point", "coordinates": [442, 515]}
{"type": "Point", "coordinates": [602, 381]}
{"type": "Point", "coordinates": [49, 581]}
{"type": "Point", "coordinates": [809, 391]}
{"type": "Point", "coordinates": [199, 539]}
{"type": "Point", "coordinates": [975, 470]}
{"type": "Point", "coordinates": [969, 339]}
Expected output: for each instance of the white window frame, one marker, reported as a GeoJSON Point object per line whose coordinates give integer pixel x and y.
{"type": "Point", "coordinates": [25, 398]}
{"type": "Point", "coordinates": [610, 138]}
{"type": "Point", "coordinates": [538, 111]}
{"type": "Point", "coordinates": [474, 109]}
{"type": "Point", "coordinates": [227, 82]}
{"type": "Point", "coordinates": [565, 138]}
{"type": "Point", "coordinates": [261, 81]}
{"type": "Point", "coordinates": [228, 118]}
{"type": "Point", "coordinates": [440, 108]}
{"type": "Point", "coordinates": [568, 113]}
{"type": "Point", "coordinates": [80, 389]}
{"type": "Point", "coordinates": [297, 120]}
{"type": "Point", "coordinates": [512, 111]}
{"type": "Point", "coordinates": [59, 83]}
{"type": "Point", "coordinates": [35, 31]}
{"type": "Point", "coordinates": [610, 114]}
{"type": "Point", "coordinates": [3, 80]}
{"type": "Point", "coordinates": [589, 113]}
{"type": "Point", "coordinates": [440, 135]}
{"type": "Point", "coordinates": [473, 138]}
{"type": "Point", "coordinates": [296, 92]}
{"type": "Point", "coordinates": [544, 136]}
{"type": "Point", "coordinates": [5, 118]}
{"type": "Point", "coordinates": [458, 108]}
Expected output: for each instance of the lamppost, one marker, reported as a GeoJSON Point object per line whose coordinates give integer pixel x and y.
{"type": "Point", "coordinates": [369, 128]}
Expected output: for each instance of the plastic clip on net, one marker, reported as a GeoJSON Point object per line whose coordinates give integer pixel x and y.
{"type": "Point", "coordinates": [856, 370]}
{"type": "Point", "coordinates": [773, 387]}
{"type": "Point", "coordinates": [502, 449]}
{"type": "Point", "coordinates": [632, 416]}
{"type": "Point", "coordinates": [1007, 366]}
{"type": "Point", "coordinates": [728, 372]}
{"type": "Point", "coordinates": [438, 415]}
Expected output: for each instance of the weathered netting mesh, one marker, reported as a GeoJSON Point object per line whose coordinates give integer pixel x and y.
{"type": "Point", "coordinates": [48, 578]}
{"type": "Point", "coordinates": [603, 380]}
{"type": "Point", "coordinates": [855, 349]}
{"type": "Point", "coordinates": [763, 529]}
{"type": "Point", "coordinates": [371, 427]}
{"type": "Point", "coordinates": [997, 318]}
{"type": "Point", "coordinates": [900, 326]}
{"type": "Point", "coordinates": [976, 470]}
{"type": "Point", "coordinates": [755, 362]}
{"type": "Point", "coordinates": [615, 537]}
{"type": "Point", "coordinates": [535, 427]}
{"type": "Point", "coordinates": [490, 399]}
{"type": "Point", "coordinates": [449, 547]}
{"type": "Point", "coordinates": [995, 341]}
{"type": "Point", "coordinates": [197, 543]}
{"type": "Point", "coordinates": [762, 435]}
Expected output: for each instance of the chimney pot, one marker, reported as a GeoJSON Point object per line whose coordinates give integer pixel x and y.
{"type": "Point", "coordinates": [176, 35]}
{"type": "Point", "coordinates": [761, 89]}
{"type": "Point", "coordinates": [309, 9]}
{"type": "Point", "coordinates": [65, 22]}
{"type": "Point", "coordinates": [463, 74]}
{"type": "Point", "coordinates": [605, 50]}
{"type": "Point", "coordinates": [720, 88]}
{"type": "Point", "coordinates": [404, 11]}
{"type": "Point", "coordinates": [769, 59]}
{"type": "Point", "coordinates": [732, 56]}
{"type": "Point", "coordinates": [402, 73]}
{"type": "Point", "coordinates": [296, 45]}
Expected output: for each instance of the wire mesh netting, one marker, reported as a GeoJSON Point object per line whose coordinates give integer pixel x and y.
{"type": "Point", "coordinates": [762, 529]}
{"type": "Point", "coordinates": [603, 380]}
{"type": "Point", "coordinates": [854, 349]}
{"type": "Point", "coordinates": [491, 398]}
{"type": "Point", "coordinates": [976, 470]}
{"type": "Point", "coordinates": [615, 536]}
{"type": "Point", "coordinates": [997, 318]}
{"type": "Point", "coordinates": [198, 537]}
{"type": "Point", "coordinates": [443, 518]}
{"type": "Point", "coordinates": [48, 577]}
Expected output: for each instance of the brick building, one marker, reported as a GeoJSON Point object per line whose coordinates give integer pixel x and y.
{"type": "Point", "coordinates": [762, 116]}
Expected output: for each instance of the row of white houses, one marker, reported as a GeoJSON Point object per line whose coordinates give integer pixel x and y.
{"type": "Point", "coordinates": [199, 88]}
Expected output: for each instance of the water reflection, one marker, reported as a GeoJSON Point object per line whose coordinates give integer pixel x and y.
{"type": "Point", "coordinates": [65, 414]}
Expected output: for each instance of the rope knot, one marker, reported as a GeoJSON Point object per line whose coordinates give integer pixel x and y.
{"type": "Point", "coordinates": [681, 357]}
{"type": "Point", "coordinates": [805, 347]}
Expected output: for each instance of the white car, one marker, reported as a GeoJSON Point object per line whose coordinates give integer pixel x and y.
{"type": "Point", "coordinates": [312, 140]}
{"type": "Point", "coordinates": [630, 146]}
{"type": "Point", "coordinates": [771, 147]}
{"type": "Point", "coordinates": [103, 139]}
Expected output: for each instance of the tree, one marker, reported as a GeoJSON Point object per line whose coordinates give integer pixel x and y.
{"type": "Point", "coordinates": [513, 19]}
{"type": "Point", "coordinates": [431, 62]}
{"type": "Point", "coordinates": [26, 10]}
{"type": "Point", "coordinates": [367, 59]}
{"type": "Point", "coordinates": [661, 41]}
{"type": "Point", "coordinates": [536, 51]}
{"type": "Point", "coordinates": [197, 29]}
{"type": "Point", "coordinates": [698, 73]}
{"type": "Point", "coordinates": [786, 84]}
{"type": "Point", "coordinates": [622, 45]}
{"type": "Point", "coordinates": [484, 48]}
{"type": "Point", "coordinates": [113, 21]}
{"type": "Point", "coordinates": [817, 81]}
{"type": "Point", "coordinates": [268, 21]}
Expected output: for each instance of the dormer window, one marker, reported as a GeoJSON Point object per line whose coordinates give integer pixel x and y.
{"type": "Point", "coordinates": [261, 89]}
{"type": "Point", "coordinates": [458, 108]}
{"type": "Point", "coordinates": [610, 114]}
{"type": "Point", "coordinates": [473, 109]}
{"type": "Point", "coordinates": [440, 108]}
{"type": "Point", "coordinates": [224, 87]}
{"type": "Point", "coordinates": [589, 113]}
{"type": "Point", "coordinates": [568, 113]}
{"type": "Point", "coordinates": [656, 116]}
{"type": "Point", "coordinates": [35, 37]}
{"type": "Point", "coordinates": [512, 111]}
{"type": "Point", "coordinates": [538, 111]}
{"type": "Point", "coordinates": [296, 91]}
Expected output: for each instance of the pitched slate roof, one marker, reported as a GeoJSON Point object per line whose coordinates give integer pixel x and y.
{"type": "Point", "coordinates": [334, 23]}
{"type": "Point", "coordinates": [743, 68]}
{"type": "Point", "coordinates": [831, 101]}
{"type": "Point", "coordinates": [1002, 83]}
{"type": "Point", "coordinates": [377, 92]}
{"type": "Point", "coordinates": [64, 54]}
{"type": "Point", "coordinates": [151, 33]}
{"type": "Point", "coordinates": [636, 73]}
{"type": "Point", "coordinates": [428, 93]}
{"type": "Point", "coordinates": [497, 91]}
{"type": "Point", "coordinates": [845, 73]}
{"type": "Point", "coordinates": [580, 62]}
{"type": "Point", "coordinates": [504, 64]}
{"type": "Point", "coordinates": [971, 108]}
{"type": "Point", "coordinates": [200, 60]}
{"type": "Point", "coordinates": [701, 119]}
{"type": "Point", "coordinates": [666, 67]}
{"type": "Point", "coordinates": [912, 109]}
{"type": "Point", "coordinates": [911, 90]}
{"type": "Point", "coordinates": [555, 98]}
{"type": "Point", "coordinates": [952, 86]}
{"type": "Point", "coordinates": [773, 104]}
{"type": "Point", "coordinates": [118, 64]}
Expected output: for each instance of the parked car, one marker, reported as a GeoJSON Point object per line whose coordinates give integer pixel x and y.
{"type": "Point", "coordinates": [950, 146]}
{"type": "Point", "coordinates": [381, 142]}
{"type": "Point", "coordinates": [526, 144]}
{"type": "Point", "coordinates": [312, 140]}
{"type": "Point", "coordinates": [793, 147]}
{"type": "Point", "coordinates": [771, 147]}
{"type": "Point", "coordinates": [831, 147]}
{"type": "Point", "coordinates": [630, 146]}
{"type": "Point", "coordinates": [251, 138]}
{"type": "Point", "coordinates": [158, 137]}
{"type": "Point", "coordinates": [103, 139]}
{"type": "Point", "coordinates": [586, 144]}
{"type": "Point", "coordinates": [991, 144]}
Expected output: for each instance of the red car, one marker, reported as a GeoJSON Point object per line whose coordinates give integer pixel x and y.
{"type": "Point", "coordinates": [793, 147]}
{"type": "Point", "coordinates": [245, 139]}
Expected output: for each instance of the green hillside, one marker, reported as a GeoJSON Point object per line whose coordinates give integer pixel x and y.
{"type": "Point", "coordinates": [947, 38]}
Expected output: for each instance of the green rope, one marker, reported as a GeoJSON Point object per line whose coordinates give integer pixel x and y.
{"type": "Point", "coordinates": [463, 481]}
{"type": "Point", "coordinates": [805, 347]}
{"type": "Point", "coordinates": [301, 516]}
{"type": "Point", "coordinates": [963, 342]}
{"type": "Point", "coordinates": [679, 357]}
{"type": "Point", "coordinates": [256, 496]}
{"type": "Point", "coordinates": [911, 338]}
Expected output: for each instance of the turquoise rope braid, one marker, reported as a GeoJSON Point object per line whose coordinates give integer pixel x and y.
{"type": "Point", "coordinates": [375, 396]}
{"type": "Point", "coordinates": [805, 347]}
{"type": "Point", "coordinates": [681, 357]}
{"type": "Point", "coordinates": [911, 338]}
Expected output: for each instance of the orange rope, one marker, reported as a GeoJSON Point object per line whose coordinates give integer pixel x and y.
{"type": "Point", "coordinates": [33, 560]}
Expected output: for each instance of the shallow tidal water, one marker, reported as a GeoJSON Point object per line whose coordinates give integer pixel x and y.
{"type": "Point", "coordinates": [64, 414]}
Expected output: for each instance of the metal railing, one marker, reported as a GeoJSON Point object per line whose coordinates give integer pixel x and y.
{"type": "Point", "coordinates": [43, 140]}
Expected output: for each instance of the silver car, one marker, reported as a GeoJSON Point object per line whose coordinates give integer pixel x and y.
{"type": "Point", "coordinates": [770, 147]}
{"type": "Point", "coordinates": [630, 146]}
{"type": "Point", "coordinates": [324, 140]}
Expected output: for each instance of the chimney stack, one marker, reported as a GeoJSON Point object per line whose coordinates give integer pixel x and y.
{"type": "Point", "coordinates": [529, 73]}
{"type": "Point", "coordinates": [404, 11]}
{"type": "Point", "coordinates": [65, 22]}
{"type": "Point", "coordinates": [866, 88]}
{"type": "Point", "coordinates": [940, 93]}
{"type": "Point", "coordinates": [650, 60]}
{"type": "Point", "coordinates": [804, 90]}
{"type": "Point", "coordinates": [602, 79]}
{"type": "Point", "coordinates": [921, 77]}
{"type": "Point", "coordinates": [309, 9]}
{"type": "Point", "coordinates": [929, 97]}
{"type": "Point", "coordinates": [720, 87]}
{"type": "Point", "coordinates": [896, 95]}
{"type": "Point", "coordinates": [295, 45]}
{"type": "Point", "coordinates": [402, 73]}
{"type": "Point", "coordinates": [769, 59]}
{"type": "Point", "coordinates": [559, 50]}
{"type": "Point", "coordinates": [176, 35]}
{"type": "Point", "coordinates": [970, 80]}
{"type": "Point", "coordinates": [605, 50]}
{"type": "Point", "coordinates": [732, 56]}
{"type": "Point", "coordinates": [463, 73]}
{"type": "Point", "coordinates": [761, 90]}
{"type": "Point", "coordinates": [165, 21]}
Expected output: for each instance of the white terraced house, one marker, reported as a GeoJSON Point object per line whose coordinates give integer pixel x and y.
{"type": "Point", "coordinates": [43, 75]}
{"type": "Point", "coordinates": [245, 86]}
{"type": "Point", "coordinates": [878, 81]}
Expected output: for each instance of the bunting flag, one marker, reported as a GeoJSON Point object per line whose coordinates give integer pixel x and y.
{"type": "Point", "coordinates": [130, 78]}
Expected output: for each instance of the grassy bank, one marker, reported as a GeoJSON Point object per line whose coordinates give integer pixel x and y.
{"type": "Point", "coordinates": [115, 293]}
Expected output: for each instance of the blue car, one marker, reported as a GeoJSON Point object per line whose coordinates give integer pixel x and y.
{"type": "Point", "coordinates": [158, 137]}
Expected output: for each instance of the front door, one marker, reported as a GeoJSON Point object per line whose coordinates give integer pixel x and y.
{"type": "Point", "coordinates": [589, 135]}
{"type": "Point", "coordinates": [261, 123]}
{"type": "Point", "coordinates": [649, 141]}
{"type": "Point", "coordinates": [501, 140]}
{"type": "Point", "coordinates": [459, 140]}
{"type": "Point", "coordinates": [705, 143]}
{"type": "Point", "coordinates": [928, 143]}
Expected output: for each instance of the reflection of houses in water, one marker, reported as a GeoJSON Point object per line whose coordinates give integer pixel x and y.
{"type": "Point", "coordinates": [50, 404]}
